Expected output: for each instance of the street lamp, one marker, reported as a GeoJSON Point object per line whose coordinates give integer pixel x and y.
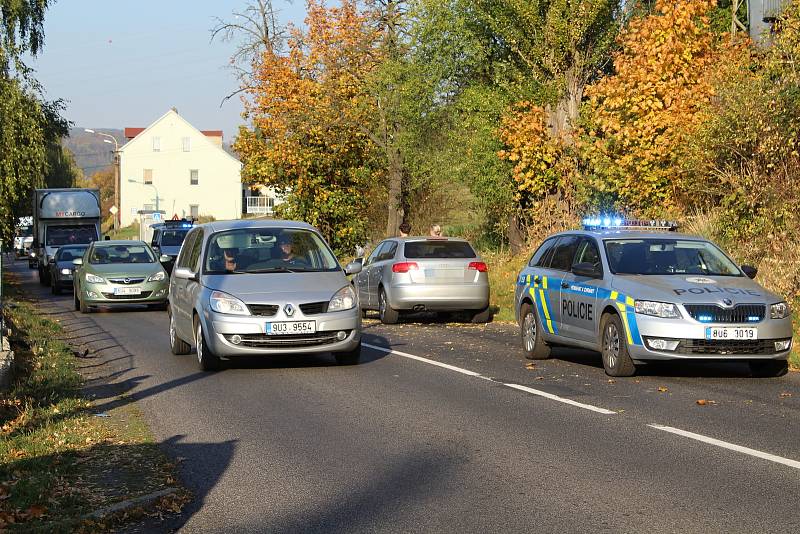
{"type": "Point", "coordinates": [130, 180]}
{"type": "Point", "coordinates": [116, 170]}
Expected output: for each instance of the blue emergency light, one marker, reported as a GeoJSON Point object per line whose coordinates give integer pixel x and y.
{"type": "Point", "coordinates": [616, 222]}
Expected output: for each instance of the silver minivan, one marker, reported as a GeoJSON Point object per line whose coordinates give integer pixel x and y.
{"type": "Point", "coordinates": [244, 288]}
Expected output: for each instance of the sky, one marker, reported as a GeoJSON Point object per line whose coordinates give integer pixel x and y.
{"type": "Point", "coordinates": [125, 63]}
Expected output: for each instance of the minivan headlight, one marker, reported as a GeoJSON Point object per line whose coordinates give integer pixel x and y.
{"type": "Point", "coordinates": [779, 310]}
{"type": "Point", "coordinates": [344, 299]}
{"type": "Point", "coordinates": [224, 303]}
{"type": "Point", "coordinates": [657, 309]}
{"type": "Point", "coordinates": [157, 277]}
{"type": "Point", "coordinates": [94, 279]}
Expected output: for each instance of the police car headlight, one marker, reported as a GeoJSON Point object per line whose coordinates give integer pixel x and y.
{"type": "Point", "coordinates": [344, 299]}
{"type": "Point", "coordinates": [664, 310]}
{"type": "Point", "coordinates": [66, 272]}
{"type": "Point", "coordinates": [779, 311]}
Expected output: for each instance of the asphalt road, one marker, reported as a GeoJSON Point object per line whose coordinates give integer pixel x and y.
{"type": "Point", "coordinates": [445, 429]}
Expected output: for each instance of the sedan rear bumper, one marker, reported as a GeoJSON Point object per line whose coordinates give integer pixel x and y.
{"type": "Point", "coordinates": [445, 297]}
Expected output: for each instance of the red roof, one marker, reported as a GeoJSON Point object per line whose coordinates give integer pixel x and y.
{"type": "Point", "coordinates": [130, 133]}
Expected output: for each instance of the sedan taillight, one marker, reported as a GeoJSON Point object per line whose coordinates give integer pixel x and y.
{"type": "Point", "coordinates": [404, 267]}
{"type": "Point", "coordinates": [477, 266]}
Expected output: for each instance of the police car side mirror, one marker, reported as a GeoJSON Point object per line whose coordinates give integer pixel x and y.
{"type": "Point", "coordinates": [586, 270]}
{"type": "Point", "coordinates": [164, 258]}
{"type": "Point", "coordinates": [749, 271]}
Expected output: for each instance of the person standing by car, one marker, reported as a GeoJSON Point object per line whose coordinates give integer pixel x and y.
{"type": "Point", "coordinates": [436, 231]}
{"type": "Point", "coordinates": [405, 229]}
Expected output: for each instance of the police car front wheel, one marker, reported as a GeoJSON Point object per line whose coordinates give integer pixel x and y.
{"type": "Point", "coordinates": [530, 329]}
{"type": "Point", "coordinates": [616, 360]}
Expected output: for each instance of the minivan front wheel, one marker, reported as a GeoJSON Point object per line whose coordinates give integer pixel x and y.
{"type": "Point", "coordinates": [208, 360]}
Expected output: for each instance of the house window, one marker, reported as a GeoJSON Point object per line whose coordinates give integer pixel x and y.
{"type": "Point", "coordinates": [156, 144]}
{"type": "Point", "coordinates": [194, 175]}
{"type": "Point", "coordinates": [194, 210]}
{"type": "Point", "coordinates": [148, 176]}
{"type": "Point", "coordinates": [187, 144]}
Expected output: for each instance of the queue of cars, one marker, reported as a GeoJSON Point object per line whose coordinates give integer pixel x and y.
{"type": "Point", "coordinates": [635, 291]}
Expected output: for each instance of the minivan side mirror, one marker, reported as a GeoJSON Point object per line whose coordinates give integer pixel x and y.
{"type": "Point", "coordinates": [183, 273]}
{"type": "Point", "coordinates": [586, 270]}
{"type": "Point", "coordinates": [354, 267]}
{"type": "Point", "coordinates": [77, 261]}
{"type": "Point", "coordinates": [749, 271]}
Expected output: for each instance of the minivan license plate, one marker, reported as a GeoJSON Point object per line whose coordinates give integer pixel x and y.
{"type": "Point", "coordinates": [291, 327]}
{"type": "Point", "coordinates": [731, 333]}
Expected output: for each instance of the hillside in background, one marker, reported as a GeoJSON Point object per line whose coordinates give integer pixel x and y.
{"type": "Point", "coordinates": [91, 153]}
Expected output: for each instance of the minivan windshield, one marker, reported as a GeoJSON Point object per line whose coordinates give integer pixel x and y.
{"type": "Point", "coordinates": [668, 256]}
{"type": "Point", "coordinates": [133, 253]}
{"type": "Point", "coordinates": [268, 250]}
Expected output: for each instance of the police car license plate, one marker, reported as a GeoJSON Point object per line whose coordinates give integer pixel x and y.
{"type": "Point", "coordinates": [715, 333]}
{"type": "Point", "coordinates": [127, 291]}
{"type": "Point", "coordinates": [291, 327]}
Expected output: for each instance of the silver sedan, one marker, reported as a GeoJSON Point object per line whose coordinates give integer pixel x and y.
{"type": "Point", "coordinates": [415, 274]}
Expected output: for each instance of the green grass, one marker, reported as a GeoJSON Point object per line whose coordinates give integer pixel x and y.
{"type": "Point", "coordinates": [503, 271]}
{"type": "Point", "coordinates": [58, 461]}
{"type": "Point", "coordinates": [128, 232]}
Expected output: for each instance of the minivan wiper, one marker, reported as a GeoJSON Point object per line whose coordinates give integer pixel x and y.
{"type": "Point", "coordinates": [271, 270]}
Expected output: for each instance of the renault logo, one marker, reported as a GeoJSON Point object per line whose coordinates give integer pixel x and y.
{"type": "Point", "coordinates": [289, 310]}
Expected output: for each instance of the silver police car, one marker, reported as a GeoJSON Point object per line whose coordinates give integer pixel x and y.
{"type": "Point", "coordinates": [414, 274]}
{"type": "Point", "coordinates": [637, 294]}
{"type": "Point", "coordinates": [245, 288]}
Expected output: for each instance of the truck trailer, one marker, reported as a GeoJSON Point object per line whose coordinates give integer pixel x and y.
{"type": "Point", "coordinates": [63, 217]}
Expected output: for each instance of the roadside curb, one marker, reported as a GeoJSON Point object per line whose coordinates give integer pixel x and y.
{"type": "Point", "coordinates": [125, 505]}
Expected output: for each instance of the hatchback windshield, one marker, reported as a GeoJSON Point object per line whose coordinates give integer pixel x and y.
{"type": "Point", "coordinates": [133, 253]}
{"type": "Point", "coordinates": [438, 249]}
{"type": "Point", "coordinates": [668, 256]}
{"type": "Point", "coordinates": [70, 253]}
{"type": "Point", "coordinates": [264, 250]}
{"type": "Point", "coordinates": [81, 234]}
{"type": "Point", "coordinates": [173, 238]}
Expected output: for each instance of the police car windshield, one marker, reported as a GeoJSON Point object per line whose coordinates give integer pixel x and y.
{"type": "Point", "coordinates": [173, 238]}
{"type": "Point", "coordinates": [668, 256]}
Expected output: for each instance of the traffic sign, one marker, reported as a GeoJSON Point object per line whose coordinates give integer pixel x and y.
{"type": "Point", "coordinates": [175, 217]}
{"type": "Point", "coordinates": [156, 216]}
{"type": "Point", "coordinates": [113, 210]}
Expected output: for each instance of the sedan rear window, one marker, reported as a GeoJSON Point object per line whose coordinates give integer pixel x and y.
{"type": "Point", "coordinates": [438, 249]}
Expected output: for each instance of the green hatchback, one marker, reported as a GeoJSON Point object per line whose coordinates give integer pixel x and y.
{"type": "Point", "coordinates": [119, 273]}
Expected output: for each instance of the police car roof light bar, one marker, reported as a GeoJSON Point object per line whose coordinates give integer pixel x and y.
{"type": "Point", "coordinates": [612, 222]}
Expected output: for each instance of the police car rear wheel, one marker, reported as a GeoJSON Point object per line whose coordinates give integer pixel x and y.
{"type": "Point", "coordinates": [616, 360]}
{"type": "Point", "coordinates": [533, 345]}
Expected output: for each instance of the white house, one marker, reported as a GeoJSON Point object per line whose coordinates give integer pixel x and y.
{"type": "Point", "coordinates": [176, 168]}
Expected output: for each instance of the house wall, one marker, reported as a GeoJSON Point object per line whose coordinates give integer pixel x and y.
{"type": "Point", "coordinates": [219, 189]}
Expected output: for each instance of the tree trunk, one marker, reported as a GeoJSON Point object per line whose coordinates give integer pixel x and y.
{"type": "Point", "coordinates": [561, 119]}
{"type": "Point", "coordinates": [395, 203]}
{"type": "Point", "coordinates": [516, 238]}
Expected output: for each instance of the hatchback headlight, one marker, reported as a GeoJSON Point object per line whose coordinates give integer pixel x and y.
{"type": "Point", "coordinates": [664, 310]}
{"type": "Point", "coordinates": [93, 279]}
{"type": "Point", "coordinates": [224, 303]}
{"type": "Point", "coordinates": [344, 299]}
{"type": "Point", "coordinates": [779, 311]}
{"type": "Point", "coordinates": [66, 272]}
{"type": "Point", "coordinates": [159, 276]}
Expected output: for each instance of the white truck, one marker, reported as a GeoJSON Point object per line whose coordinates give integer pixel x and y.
{"type": "Point", "coordinates": [23, 237]}
{"type": "Point", "coordinates": [63, 217]}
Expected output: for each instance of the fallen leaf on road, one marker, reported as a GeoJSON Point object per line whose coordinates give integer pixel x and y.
{"type": "Point", "coordinates": [785, 395]}
{"type": "Point", "coordinates": [539, 378]}
{"type": "Point", "coordinates": [662, 389]}
{"type": "Point", "coordinates": [611, 381]}
{"type": "Point", "coordinates": [705, 402]}
{"type": "Point", "coordinates": [530, 366]}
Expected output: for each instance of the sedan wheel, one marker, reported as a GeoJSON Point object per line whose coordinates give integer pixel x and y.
{"type": "Point", "coordinates": [387, 314]}
{"type": "Point", "coordinates": [616, 359]}
{"type": "Point", "coordinates": [533, 344]}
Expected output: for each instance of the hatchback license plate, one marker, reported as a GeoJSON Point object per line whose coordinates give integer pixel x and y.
{"type": "Point", "coordinates": [291, 327]}
{"type": "Point", "coordinates": [731, 333]}
{"type": "Point", "coordinates": [127, 291]}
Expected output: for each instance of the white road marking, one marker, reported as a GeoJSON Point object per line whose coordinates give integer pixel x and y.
{"type": "Point", "coordinates": [729, 446]}
{"type": "Point", "coordinates": [561, 399]}
{"type": "Point", "coordinates": [478, 375]}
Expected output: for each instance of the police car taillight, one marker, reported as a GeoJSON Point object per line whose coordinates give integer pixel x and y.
{"type": "Point", "coordinates": [404, 267]}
